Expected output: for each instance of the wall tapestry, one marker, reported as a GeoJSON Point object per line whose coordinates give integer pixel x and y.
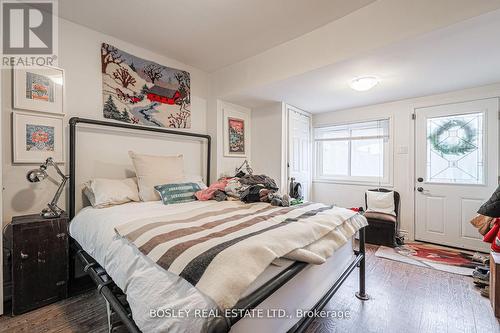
{"type": "Point", "coordinates": [143, 92]}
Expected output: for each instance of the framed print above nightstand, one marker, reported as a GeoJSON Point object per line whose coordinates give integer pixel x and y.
{"type": "Point", "coordinates": [39, 89]}
{"type": "Point", "coordinates": [37, 137]}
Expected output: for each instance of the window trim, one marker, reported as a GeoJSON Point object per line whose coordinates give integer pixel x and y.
{"type": "Point", "coordinates": [387, 180]}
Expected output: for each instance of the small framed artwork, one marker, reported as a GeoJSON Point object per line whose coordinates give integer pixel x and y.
{"type": "Point", "coordinates": [39, 89]}
{"type": "Point", "coordinates": [36, 138]}
{"type": "Point", "coordinates": [235, 133]}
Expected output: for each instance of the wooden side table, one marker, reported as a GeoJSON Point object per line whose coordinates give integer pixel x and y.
{"type": "Point", "coordinates": [495, 282]}
{"type": "Point", "coordinates": [39, 261]}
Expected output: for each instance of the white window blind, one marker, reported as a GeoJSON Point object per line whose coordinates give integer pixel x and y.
{"type": "Point", "coordinates": [356, 152]}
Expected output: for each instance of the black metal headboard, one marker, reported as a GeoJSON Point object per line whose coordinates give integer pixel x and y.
{"type": "Point", "coordinates": [74, 121]}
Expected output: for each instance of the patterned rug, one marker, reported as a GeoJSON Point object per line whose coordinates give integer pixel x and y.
{"type": "Point", "coordinates": [431, 256]}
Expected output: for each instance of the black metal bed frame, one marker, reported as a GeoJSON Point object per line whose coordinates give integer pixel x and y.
{"type": "Point", "coordinates": [117, 299]}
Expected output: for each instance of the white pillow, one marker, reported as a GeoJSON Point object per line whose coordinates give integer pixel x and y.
{"type": "Point", "coordinates": [103, 192]}
{"type": "Point", "coordinates": [197, 179]}
{"type": "Point", "coordinates": [152, 170]}
{"type": "Point", "coordinates": [380, 202]}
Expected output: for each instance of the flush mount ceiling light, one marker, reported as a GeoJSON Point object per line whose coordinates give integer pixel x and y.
{"type": "Point", "coordinates": [364, 83]}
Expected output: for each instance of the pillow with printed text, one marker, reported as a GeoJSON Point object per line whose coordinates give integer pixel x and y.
{"type": "Point", "coordinates": [177, 193]}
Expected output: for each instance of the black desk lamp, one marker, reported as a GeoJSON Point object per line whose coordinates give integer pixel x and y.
{"type": "Point", "coordinates": [245, 164]}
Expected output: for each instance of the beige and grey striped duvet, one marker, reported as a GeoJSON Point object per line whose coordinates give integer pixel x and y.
{"type": "Point", "coordinates": [223, 248]}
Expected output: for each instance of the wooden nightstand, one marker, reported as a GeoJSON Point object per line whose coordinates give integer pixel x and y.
{"type": "Point", "coordinates": [39, 261]}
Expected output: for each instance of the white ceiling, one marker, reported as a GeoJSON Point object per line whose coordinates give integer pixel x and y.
{"type": "Point", "coordinates": [206, 34]}
{"type": "Point", "coordinates": [466, 54]}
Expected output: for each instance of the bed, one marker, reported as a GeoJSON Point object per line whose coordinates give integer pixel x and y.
{"type": "Point", "coordinates": [129, 280]}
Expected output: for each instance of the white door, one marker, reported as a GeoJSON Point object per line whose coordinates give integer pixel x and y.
{"type": "Point", "coordinates": [299, 148]}
{"type": "Point", "coordinates": [456, 170]}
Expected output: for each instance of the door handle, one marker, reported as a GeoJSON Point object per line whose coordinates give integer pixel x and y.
{"type": "Point", "coordinates": [420, 179]}
{"type": "Point", "coordinates": [24, 256]}
{"type": "Point", "coordinates": [422, 190]}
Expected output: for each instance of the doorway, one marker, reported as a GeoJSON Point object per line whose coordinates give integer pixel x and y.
{"type": "Point", "coordinates": [299, 148]}
{"type": "Point", "coordinates": [456, 170]}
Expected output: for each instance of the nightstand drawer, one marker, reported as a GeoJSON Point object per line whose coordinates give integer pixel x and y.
{"type": "Point", "coordinates": [39, 262]}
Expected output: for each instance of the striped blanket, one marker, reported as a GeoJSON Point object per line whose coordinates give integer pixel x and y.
{"type": "Point", "coordinates": [222, 249]}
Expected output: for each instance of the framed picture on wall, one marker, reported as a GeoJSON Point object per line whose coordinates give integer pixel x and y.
{"type": "Point", "coordinates": [235, 133]}
{"type": "Point", "coordinates": [39, 89]}
{"type": "Point", "coordinates": [36, 137]}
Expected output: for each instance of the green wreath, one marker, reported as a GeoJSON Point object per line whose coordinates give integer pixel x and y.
{"type": "Point", "coordinates": [463, 147]}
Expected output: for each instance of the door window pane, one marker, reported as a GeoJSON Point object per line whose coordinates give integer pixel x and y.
{"type": "Point", "coordinates": [335, 158]}
{"type": "Point", "coordinates": [367, 158]}
{"type": "Point", "coordinates": [455, 149]}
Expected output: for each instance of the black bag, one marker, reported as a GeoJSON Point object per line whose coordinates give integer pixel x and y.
{"type": "Point", "coordinates": [295, 189]}
{"type": "Point", "coordinates": [491, 207]}
{"type": "Point", "coordinates": [251, 194]}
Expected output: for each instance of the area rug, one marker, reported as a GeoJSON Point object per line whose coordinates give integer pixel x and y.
{"type": "Point", "coordinates": [431, 256]}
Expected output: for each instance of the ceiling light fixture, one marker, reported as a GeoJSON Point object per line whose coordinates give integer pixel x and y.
{"type": "Point", "coordinates": [364, 83]}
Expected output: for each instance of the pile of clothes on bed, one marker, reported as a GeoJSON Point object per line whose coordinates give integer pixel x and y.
{"type": "Point", "coordinates": [247, 188]}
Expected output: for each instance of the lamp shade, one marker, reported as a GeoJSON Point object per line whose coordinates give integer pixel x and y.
{"type": "Point", "coordinates": [491, 207]}
{"type": "Point", "coordinates": [36, 175]}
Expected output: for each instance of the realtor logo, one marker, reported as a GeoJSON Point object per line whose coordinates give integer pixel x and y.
{"type": "Point", "coordinates": [28, 29]}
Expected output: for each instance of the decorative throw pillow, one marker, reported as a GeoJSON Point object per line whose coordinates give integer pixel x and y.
{"type": "Point", "coordinates": [177, 193]}
{"type": "Point", "coordinates": [380, 202]}
{"type": "Point", "coordinates": [152, 170]}
{"type": "Point", "coordinates": [103, 192]}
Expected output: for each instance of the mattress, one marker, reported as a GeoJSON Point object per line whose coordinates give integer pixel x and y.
{"type": "Point", "coordinates": [150, 288]}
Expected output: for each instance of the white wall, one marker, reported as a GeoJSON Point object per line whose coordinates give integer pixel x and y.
{"type": "Point", "coordinates": [403, 131]}
{"type": "Point", "coordinates": [376, 25]}
{"type": "Point", "coordinates": [269, 142]}
{"type": "Point", "coordinates": [226, 165]}
{"type": "Point", "coordinates": [383, 22]}
{"type": "Point", "coordinates": [79, 56]}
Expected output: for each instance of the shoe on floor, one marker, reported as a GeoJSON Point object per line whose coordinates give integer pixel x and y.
{"type": "Point", "coordinates": [482, 269]}
{"type": "Point", "coordinates": [485, 292]}
{"type": "Point", "coordinates": [481, 274]}
{"type": "Point", "coordinates": [480, 283]}
{"type": "Point", "coordinates": [480, 258]}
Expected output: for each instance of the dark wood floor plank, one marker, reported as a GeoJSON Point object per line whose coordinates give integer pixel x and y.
{"type": "Point", "coordinates": [84, 313]}
{"type": "Point", "coordinates": [404, 298]}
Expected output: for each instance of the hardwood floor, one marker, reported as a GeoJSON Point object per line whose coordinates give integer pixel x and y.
{"type": "Point", "coordinates": [84, 313]}
{"type": "Point", "coordinates": [408, 298]}
{"type": "Point", "coordinates": [404, 298]}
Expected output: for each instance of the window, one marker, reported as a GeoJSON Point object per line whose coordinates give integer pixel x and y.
{"type": "Point", "coordinates": [455, 149]}
{"type": "Point", "coordinates": [357, 152]}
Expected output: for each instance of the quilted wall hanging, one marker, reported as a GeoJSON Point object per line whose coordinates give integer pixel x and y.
{"type": "Point", "coordinates": [139, 91]}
